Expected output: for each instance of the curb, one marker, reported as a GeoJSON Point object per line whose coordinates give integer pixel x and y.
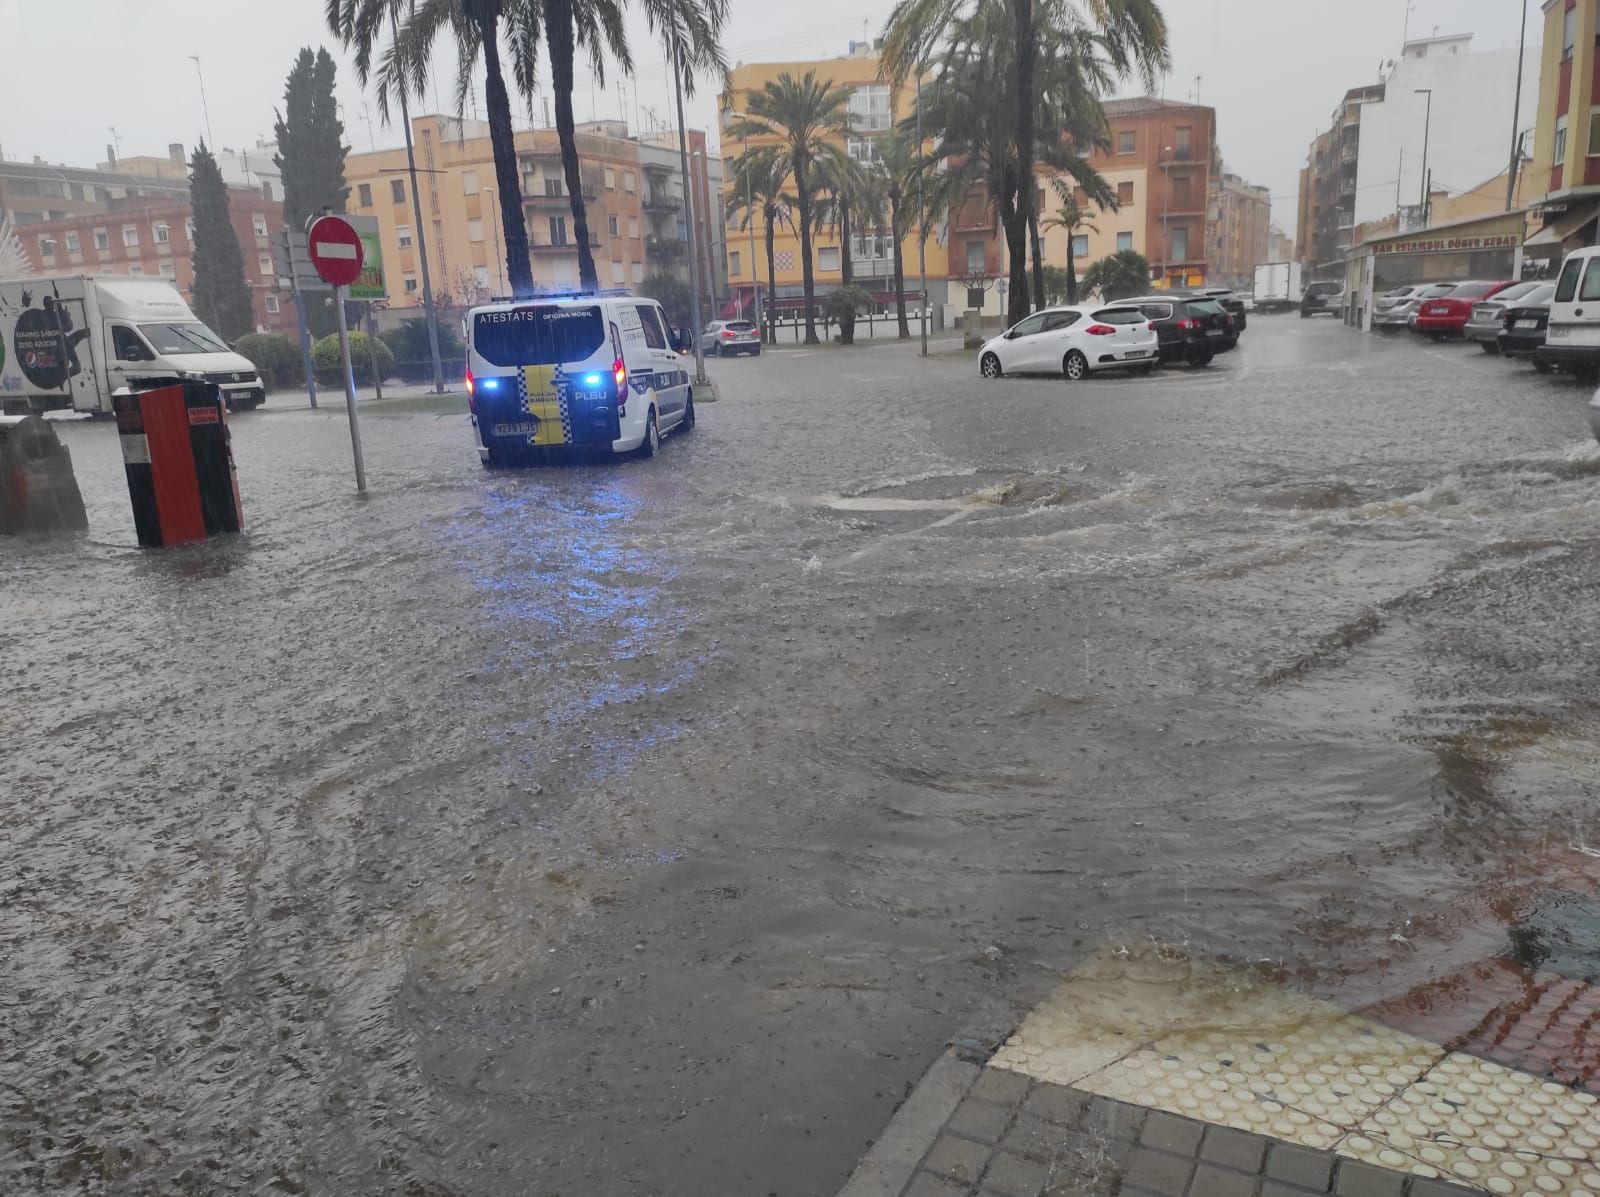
{"type": "Point", "coordinates": [887, 1167]}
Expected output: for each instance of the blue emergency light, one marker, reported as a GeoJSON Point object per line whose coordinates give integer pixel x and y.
{"type": "Point", "coordinates": [489, 384]}
{"type": "Point", "coordinates": [592, 380]}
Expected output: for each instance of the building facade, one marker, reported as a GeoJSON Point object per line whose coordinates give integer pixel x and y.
{"type": "Point", "coordinates": [1563, 178]}
{"type": "Point", "coordinates": [37, 191]}
{"type": "Point", "coordinates": [666, 214]}
{"type": "Point", "coordinates": [1241, 233]}
{"type": "Point", "coordinates": [1328, 187]}
{"type": "Point", "coordinates": [155, 237]}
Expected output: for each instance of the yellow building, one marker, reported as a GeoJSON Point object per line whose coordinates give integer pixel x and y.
{"type": "Point", "coordinates": [875, 106]}
{"type": "Point", "coordinates": [460, 208]}
{"type": "Point", "coordinates": [1565, 170]}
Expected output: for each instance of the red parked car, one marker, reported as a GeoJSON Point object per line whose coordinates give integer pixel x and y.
{"type": "Point", "coordinates": [1447, 315]}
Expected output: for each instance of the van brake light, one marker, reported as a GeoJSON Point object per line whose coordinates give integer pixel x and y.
{"type": "Point", "coordinates": [619, 367]}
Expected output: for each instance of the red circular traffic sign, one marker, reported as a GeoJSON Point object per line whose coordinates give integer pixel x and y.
{"type": "Point", "coordinates": [335, 250]}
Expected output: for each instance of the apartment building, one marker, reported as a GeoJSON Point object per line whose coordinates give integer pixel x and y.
{"type": "Point", "coordinates": [1563, 177]}
{"type": "Point", "coordinates": [39, 191]}
{"type": "Point", "coordinates": [667, 215]}
{"type": "Point", "coordinates": [1241, 233]}
{"type": "Point", "coordinates": [1326, 221]}
{"type": "Point", "coordinates": [462, 215]}
{"type": "Point", "coordinates": [154, 236]}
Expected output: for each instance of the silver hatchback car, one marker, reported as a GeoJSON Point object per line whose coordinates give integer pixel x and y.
{"type": "Point", "coordinates": [728, 338]}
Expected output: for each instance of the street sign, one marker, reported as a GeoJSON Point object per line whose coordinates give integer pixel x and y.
{"type": "Point", "coordinates": [370, 284]}
{"type": "Point", "coordinates": [336, 251]}
{"type": "Point", "coordinates": [292, 259]}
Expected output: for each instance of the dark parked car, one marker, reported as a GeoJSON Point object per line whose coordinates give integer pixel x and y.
{"type": "Point", "coordinates": [1488, 315]}
{"type": "Point", "coordinates": [1523, 326]}
{"type": "Point", "coordinates": [1326, 298]}
{"type": "Point", "coordinates": [1190, 329]}
{"type": "Point", "coordinates": [1226, 299]}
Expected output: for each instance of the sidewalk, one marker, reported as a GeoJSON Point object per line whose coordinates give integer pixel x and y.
{"type": "Point", "coordinates": [1165, 1076]}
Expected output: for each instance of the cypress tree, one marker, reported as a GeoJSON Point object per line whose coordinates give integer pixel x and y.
{"type": "Point", "coordinates": [311, 147]}
{"type": "Point", "coordinates": [221, 295]}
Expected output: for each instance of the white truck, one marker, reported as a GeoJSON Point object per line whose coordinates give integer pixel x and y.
{"type": "Point", "coordinates": [1278, 286]}
{"type": "Point", "coordinates": [69, 341]}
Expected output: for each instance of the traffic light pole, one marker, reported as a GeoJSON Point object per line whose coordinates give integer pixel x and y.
{"type": "Point", "coordinates": [300, 316]}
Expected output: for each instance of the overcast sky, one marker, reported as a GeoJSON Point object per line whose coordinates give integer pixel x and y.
{"type": "Point", "coordinates": [74, 68]}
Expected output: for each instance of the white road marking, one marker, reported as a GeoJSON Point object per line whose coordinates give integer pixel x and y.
{"type": "Point", "coordinates": [336, 249]}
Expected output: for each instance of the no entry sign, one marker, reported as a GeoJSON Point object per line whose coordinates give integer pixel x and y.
{"type": "Point", "coordinates": [335, 250]}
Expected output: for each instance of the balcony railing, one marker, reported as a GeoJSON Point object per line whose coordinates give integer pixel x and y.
{"type": "Point", "coordinates": [658, 203]}
{"type": "Point", "coordinates": [562, 247]}
{"type": "Point", "coordinates": [667, 249]}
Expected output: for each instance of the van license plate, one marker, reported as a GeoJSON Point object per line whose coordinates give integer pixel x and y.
{"type": "Point", "coordinates": [525, 429]}
{"type": "Point", "coordinates": [1557, 333]}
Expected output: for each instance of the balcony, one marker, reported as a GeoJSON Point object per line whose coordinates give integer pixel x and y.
{"type": "Point", "coordinates": [544, 201]}
{"type": "Point", "coordinates": [659, 204]}
{"type": "Point", "coordinates": [665, 249]}
{"type": "Point", "coordinates": [550, 248]}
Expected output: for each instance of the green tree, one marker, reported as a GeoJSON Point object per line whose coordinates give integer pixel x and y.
{"type": "Point", "coordinates": [1126, 272]}
{"type": "Point", "coordinates": [844, 305]}
{"type": "Point", "coordinates": [1131, 35]}
{"type": "Point", "coordinates": [221, 295]}
{"type": "Point", "coordinates": [899, 166]}
{"type": "Point", "coordinates": [762, 175]}
{"type": "Point", "coordinates": [326, 360]}
{"type": "Point", "coordinates": [1055, 286]}
{"type": "Point", "coordinates": [413, 356]}
{"type": "Point", "coordinates": [1073, 220]}
{"type": "Point", "coordinates": [674, 296]}
{"type": "Point", "coordinates": [311, 147]}
{"type": "Point", "coordinates": [804, 115]}
{"type": "Point", "coordinates": [274, 355]}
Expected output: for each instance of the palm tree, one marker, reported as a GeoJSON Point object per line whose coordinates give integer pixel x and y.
{"type": "Point", "coordinates": [853, 204]}
{"type": "Point", "coordinates": [899, 166]}
{"type": "Point", "coordinates": [1070, 218]}
{"type": "Point", "coordinates": [803, 114]}
{"type": "Point", "coordinates": [1132, 35]}
{"type": "Point", "coordinates": [762, 175]}
{"type": "Point", "coordinates": [1126, 272]}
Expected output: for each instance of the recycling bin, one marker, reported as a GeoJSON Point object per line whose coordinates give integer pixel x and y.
{"type": "Point", "coordinates": [179, 459]}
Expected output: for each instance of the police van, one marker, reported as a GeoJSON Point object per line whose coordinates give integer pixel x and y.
{"type": "Point", "coordinates": [581, 371]}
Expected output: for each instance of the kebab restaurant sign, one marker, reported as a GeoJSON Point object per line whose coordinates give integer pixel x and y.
{"type": "Point", "coordinates": [1447, 245]}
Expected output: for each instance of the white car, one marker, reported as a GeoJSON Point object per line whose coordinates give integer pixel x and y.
{"type": "Point", "coordinates": [1075, 342]}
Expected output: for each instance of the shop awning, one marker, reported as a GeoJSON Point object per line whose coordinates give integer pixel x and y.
{"type": "Point", "coordinates": [1547, 242]}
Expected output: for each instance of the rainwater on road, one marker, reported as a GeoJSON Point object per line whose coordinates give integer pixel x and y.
{"type": "Point", "coordinates": [647, 828]}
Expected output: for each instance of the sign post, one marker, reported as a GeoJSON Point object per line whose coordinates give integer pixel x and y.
{"type": "Point", "coordinates": [336, 253]}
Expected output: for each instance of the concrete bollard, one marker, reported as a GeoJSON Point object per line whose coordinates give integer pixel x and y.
{"type": "Point", "coordinates": [38, 491]}
{"type": "Point", "coordinates": [972, 329]}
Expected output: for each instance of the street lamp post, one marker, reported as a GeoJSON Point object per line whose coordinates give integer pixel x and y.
{"type": "Point", "coordinates": [922, 227]}
{"type": "Point", "coordinates": [1516, 115]}
{"type": "Point", "coordinates": [499, 258]}
{"type": "Point", "coordinates": [688, 201]}
{"type": "Point", "coordinates": [1427, 125]}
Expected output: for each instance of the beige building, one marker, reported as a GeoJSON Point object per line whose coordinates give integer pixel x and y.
{"type": "Point", "coordinates": [461, 209]}
{"type": "Point", "coordinates": [1240, 232]}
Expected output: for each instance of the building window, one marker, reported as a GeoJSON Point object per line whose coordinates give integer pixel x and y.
{"type": "Point", "coordinates": [102, 240]}
{"type": "Point", "coordinates": [1180, 193]}
{"type": "Point", "coordinates": [558, 230]}
{"type": "Point", "coordinates": [469, 182]}
{"type": "Point", "coordinates": [397, 190]}
{"type": "Point", "coordinates": [163, 234]}
{"type": "Point", "coordinates": [474, 230]}
{"type": "Point", "coordinates": [272, 305]}
{"type": "Point", "coordinates": [259, 223]}
{"type": "Point", "coordinates": [1594, 133]}
{"type": "Point", "coordinates": [169, 270]}
{"type": "Point", "coordinates": [1568, 32]}
{"type": "Point", "coordinates": [553, 186]}
{"type": "Point", "coordinates": [862, 149]}
{"type": "Point", "coordinates": [1558, 154]}
{"type": "Point", "coordinates": [1125, 142]}
{"type": "Point", "coordinates": [733, 263]}
{"type": "Point", "coordinates": [47, 247]}
{"type": "Point", "coordinates": [73, 244]}
{"type": "Point", "coordinates": [265, 262]}
{"type": "Point", "coordinates": [629, 184]}
{"type": "Point", "coordinates": [828, 259]}
{"type": "Point", "coordinates": [1125, 195]}
{"type": "Point", "coordinates": [188, 228]}
{"type": "Point", "coordinates": [364, 195]}
{"type": "Point", "coordinates": [1180, 143]}
{"type": "Point", "coordinates": [1080, 245]}
{"type": "Point", "coordinates": [136, 269]}
{"type": "Point", "coordinates": [611, 179]}
{"type": "Point", "coordinates": [976, 251]}
{"type": "Point", "coordinates": [130, 236]}
{"type": "Point", "coordinates": [480, 275]}
{"type": "Point", "coordinates": [1180, 245]}
{"type": "Point", "coordinates": [1124, 241]}
{"type": "Point", "coordinates": [633, 226]}
{"type": "Point", "coordinates": [403, 235]}
{"type": "Point", "coordinates": [638, 272]}
{"type": "Point", "coordinates": [409, 283]}
{"type": "Point", "coordinates": [613, 226]}
{"type": "Point", "coordinates": [619, 272]}
{"type": "Point", "coordinates": [869, 108]}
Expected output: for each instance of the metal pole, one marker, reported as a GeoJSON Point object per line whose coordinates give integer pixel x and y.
{"type": "Point", "coordinates": [1516, 115]}
{"type": "Point", "coordinates": [499, 258]}
{"type": "Point", "coordinates": [300, 315]}
{"type": "Point", "coordinates": [350, 389]}
{"type": "Point", "coordinates": [422, 252]}
{"type": "Point", "coordinates": [750, 224]}
{"type": "Point", "coordinates": [205, 111]}
{"type": "Point", "coordinates": [922, 227]}
{"type": "Point", "coordinates": [710, 263]}
{"type": "Point", "coordinates": [1427, 126]}
{"type": "Point", "coordinates": [372, 350]}
{"type": "Point", "coordinates": [688, 199]}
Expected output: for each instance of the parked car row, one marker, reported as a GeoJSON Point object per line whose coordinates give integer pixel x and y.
{"type": "Point", "coordinates": [1188, 327]}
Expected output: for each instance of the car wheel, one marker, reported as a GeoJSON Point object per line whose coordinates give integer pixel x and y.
{"type": "Point", "coordinates": [1074, 366]}
{"type": "Point", "coordinates": [688, 416]}
{"type": "Point", "coordinates": [652, 437]}
{"type": "Point", "coordinates": [1489, 347]}
{"type": "Point", "coordinates": [1542, 367]}
{"type": "Point", "coordinates": [1304, 315]}
{"type": "Point", "coordinates": [989, 367]}
{"type": "Point", "coordinates": [1145, 371]}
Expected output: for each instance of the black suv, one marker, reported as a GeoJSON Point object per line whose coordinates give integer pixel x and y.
{"type": "Point", "coordinates": [1322, 297]}
{"type": "Point", "coordinates": [1222, 296]}
{"type": "Point", "coordinates": [1189, 329]}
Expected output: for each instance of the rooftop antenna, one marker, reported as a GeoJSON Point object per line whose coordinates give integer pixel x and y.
{"type": "Point", "coordinates": [1197, 79]}
{"type": "Point", "coordinates": [116, 141]}
{"type": "Point", "coordinates": [366, 115]}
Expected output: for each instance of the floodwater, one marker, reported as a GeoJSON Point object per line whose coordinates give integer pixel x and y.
{"type": "Point", "coordinates": [648, 828]}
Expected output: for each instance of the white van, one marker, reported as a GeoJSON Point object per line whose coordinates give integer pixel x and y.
{"type": "Point", "coordinates": [597, 370]}
{"type": "Point", "coordinates": [71, 340]}
{"type": "Point", "coordinates": [1573, 339]}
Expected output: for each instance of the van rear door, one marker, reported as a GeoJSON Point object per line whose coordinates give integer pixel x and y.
{"type": "Point", "coordinates": [1575, 311]}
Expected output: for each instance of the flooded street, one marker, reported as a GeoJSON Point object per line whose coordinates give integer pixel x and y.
{"type": "Point", "coordinates": [648, 828]}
